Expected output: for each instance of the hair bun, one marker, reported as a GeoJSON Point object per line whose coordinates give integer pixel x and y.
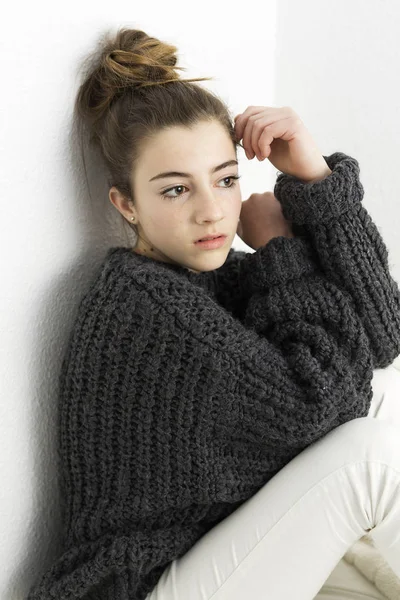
{"type": "Point", "coordinates": [129, 59]}
{"type": "Point", "coordinates": [133, 58]}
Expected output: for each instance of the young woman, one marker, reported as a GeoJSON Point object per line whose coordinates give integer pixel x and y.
{"type": "Point", "coordinates": [213, 411]}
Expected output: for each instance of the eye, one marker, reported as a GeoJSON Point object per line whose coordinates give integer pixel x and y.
{"type": "Point", "coordinates": [176, 187]}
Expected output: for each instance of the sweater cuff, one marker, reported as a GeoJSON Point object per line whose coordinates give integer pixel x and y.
{"type": "Point", "coordinates": [280, 260]}
{"type": "Point", "coordinates": [321, 201]}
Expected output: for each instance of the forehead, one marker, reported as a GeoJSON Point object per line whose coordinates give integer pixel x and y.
{"type": "Point", "coordinates": [195, 149]}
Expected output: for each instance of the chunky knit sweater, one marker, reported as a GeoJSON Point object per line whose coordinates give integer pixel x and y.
{"type": "Point", "coordinates": [181, 394]}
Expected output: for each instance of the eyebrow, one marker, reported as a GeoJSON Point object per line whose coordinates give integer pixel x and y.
{"type": "Point", "coordinates": [228, 163]}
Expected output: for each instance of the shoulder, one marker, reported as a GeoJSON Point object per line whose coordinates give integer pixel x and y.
{"type": "Point", "coordinates": [127, 287]}
{"type": "Point", "coordinates": [140, 294]}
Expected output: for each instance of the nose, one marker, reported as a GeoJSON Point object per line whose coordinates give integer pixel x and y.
{"type": "Point", "coordinates": [208, 206]}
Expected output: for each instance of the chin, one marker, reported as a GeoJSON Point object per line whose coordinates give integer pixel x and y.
{"type": "Point", "coordinates": [217, 263]}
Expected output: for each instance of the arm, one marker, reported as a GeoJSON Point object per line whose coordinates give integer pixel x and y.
{"type": "Point", "coordinates": [349, 248]}
{"type": "Point", "coordinates": [297, 365]}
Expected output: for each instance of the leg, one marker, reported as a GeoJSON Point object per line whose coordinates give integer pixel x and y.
{"type": "Point", "coordinates": [284, 542]}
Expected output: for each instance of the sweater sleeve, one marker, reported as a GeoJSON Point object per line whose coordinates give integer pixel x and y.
{"type": "Point", "coordinates": [349, 248]}
{"type": "Point", "coordinates": [297, 365]}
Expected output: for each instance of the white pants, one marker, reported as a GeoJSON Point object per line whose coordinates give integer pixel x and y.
{"type": "Point", "coordinates": [284, 542]}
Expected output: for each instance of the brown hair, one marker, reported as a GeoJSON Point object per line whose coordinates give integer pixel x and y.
{"type": "Point", "coordinates": [131, 91]}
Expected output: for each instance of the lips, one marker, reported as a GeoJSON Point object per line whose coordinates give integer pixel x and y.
{"type": "Point", "coordinates": [211, 237]}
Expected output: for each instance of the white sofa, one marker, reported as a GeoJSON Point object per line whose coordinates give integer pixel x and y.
{"type": "Point", "coordinates": [362, 574]}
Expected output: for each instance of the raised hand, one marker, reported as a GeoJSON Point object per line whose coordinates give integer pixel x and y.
{"type": "Point", "coordinates": [281, 136]}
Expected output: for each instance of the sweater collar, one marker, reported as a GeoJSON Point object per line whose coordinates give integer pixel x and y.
{"type": "Point", "coordinates": [206, 279]}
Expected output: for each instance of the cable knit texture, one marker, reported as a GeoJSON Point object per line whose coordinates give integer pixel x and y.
{"type": "Point", "coordinates": [182, 394]}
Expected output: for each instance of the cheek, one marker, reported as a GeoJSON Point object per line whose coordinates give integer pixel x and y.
{"type": "Point", "coordinates": [164, 219]}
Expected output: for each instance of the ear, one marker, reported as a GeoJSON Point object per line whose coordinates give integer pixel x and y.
{"type": "Point", "coordinates": [120, 201]}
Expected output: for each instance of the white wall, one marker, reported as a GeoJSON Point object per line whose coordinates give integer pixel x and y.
{"type": "Point", "coordinates": [334, 63]}
{"type": "Point", "coordinates": [337, 65]}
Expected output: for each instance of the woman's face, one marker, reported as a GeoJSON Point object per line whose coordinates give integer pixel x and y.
{"type": "Point", "coordinates": [194, 200]}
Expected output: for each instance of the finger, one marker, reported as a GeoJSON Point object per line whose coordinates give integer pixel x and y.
{"type": "Point", "coordinates": [273, 113]}
{"type": "Point", "coordinates": [241, 119]}
{"type": "Point", "coordinates": [236, 127]}
{"type": "Point", "coordinates": [254, 126]}
{"type": "Point", "coordinates": [268, 135]}
{"type": "Point", "coordinates": [278, 123]}
{"type": "Point", "coordinates": [247, 137]}
{"type": "Point", "coordinates": [282, 129]}
{"type": "Point", "coordinates": [258, 128]}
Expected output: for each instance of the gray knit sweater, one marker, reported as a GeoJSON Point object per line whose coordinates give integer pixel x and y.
{"type": "Point", "coordinates": [182, 394]}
